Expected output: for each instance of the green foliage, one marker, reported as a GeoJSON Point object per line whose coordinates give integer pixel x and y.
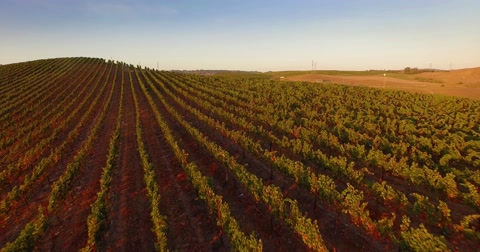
{"type": "Point", "coordinates": [51, 159]}
{"type": "Point", "coordinates": [419, 239]}
{"type": "Point", "coordinates": [472, 197]}
{"type": "Point", "coordinates": [377, 146]}
{"type": "Point", "coordinates": [467, 227]}
{"type": "Point", "coordinates": [386, 137]}
{"type": "Point", "coordinates": [97, 218]}
{"type": "Point", "coordinates": [389, 195]}
{"type": "Point", "coordinates": [159, 221]}
{"type": "Point", "coordinates": [239, 239]}
{"type": "Point", "coordinates": [32, 232]}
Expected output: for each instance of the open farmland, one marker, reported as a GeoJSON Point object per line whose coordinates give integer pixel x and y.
{"type": "Point", "coordinates": [103, 155]}
{"type": "Point", "coordinates": [460, 83]}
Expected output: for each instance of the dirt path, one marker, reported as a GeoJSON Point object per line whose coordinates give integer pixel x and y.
{"type": "Point", "coordinates": [129, 227]}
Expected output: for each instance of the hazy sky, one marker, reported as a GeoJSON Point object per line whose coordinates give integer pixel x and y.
{"type": "Point", "coordinates": [245, 34]}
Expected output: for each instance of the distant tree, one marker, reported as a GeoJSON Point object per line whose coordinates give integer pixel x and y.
{"type": "Point", "coordinates": [409, 70]}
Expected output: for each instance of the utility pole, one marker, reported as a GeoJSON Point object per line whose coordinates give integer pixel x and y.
{"type": "Point", "coordinates": [431, 71]}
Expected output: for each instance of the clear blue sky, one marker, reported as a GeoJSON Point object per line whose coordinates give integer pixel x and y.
{"type": "Point", "coordinates": [245, 34]}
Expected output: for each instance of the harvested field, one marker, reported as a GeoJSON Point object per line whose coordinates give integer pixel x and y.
{"type": "Point", "coordinates": [460, 83]}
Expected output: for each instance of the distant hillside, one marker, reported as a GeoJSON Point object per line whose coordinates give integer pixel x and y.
{"type": "Point", "coordinates": [461, 83]}
{"type": "Point", "coordinates": [469, 77]}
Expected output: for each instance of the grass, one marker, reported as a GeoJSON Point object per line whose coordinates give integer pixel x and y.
{"type": "Point", "coordinates": [428, 80]}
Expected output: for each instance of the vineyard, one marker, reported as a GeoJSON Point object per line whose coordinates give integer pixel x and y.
{"type": "Point", "coordinates": [103, 155]}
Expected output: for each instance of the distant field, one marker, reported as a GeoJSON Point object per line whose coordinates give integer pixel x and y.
{"type": "Point", "coordinates": [461, 83]}
{"type": "Point", "coordinates": [98, 155]}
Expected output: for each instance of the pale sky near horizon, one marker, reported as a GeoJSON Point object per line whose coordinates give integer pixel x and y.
{"type": "Point", "coordinates": [246, 34]}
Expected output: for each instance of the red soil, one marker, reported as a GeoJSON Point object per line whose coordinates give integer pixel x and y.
{"type": "Point", "coordinates": [129, 226]}
{"type": "Point", "coordinates": [69, 231]}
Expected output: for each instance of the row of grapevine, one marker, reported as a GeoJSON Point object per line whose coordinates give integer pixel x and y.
{"type": "Point", "coordinates": [97, 217]}
{"type": "Point", "coordinates": [284, 208]}
{"type": "Point", "coordinates": [9, 115]}
{"type": "Point", "coordinates": [31, 94]}
{"type": "Point", "coordinates": [54, 156]}
{"type": "Point", "coordinates": [62, 186]}
{"type": "Point", "coordinates": [225, 220]}
{"type": "Point", "coordinates": [31, 111]}
{"type": "Point", "coordinates": [330, 166]}
{"type": "Point", "coordinates": [397, 195]}
{"type": "Point", "coordinates": [158, 219]}
{"type": "Point", "coordinates": [295, 169]}
{"type": "Point", "coordinates": [349, 124]}
{"type": "Point", "coordinates": [350, 201]}
{"type": "Point", "coordinates": [40, 127]}
{"type": "Point", "coordinates": [445, 183]}
{"type": "Point", "coordinates": [14, 84]}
